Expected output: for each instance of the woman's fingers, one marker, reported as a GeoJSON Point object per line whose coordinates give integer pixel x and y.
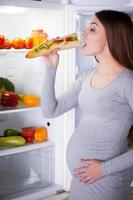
{"type": "Point", "coordinates": [86, 179]}
{"type": "Point", "coordinates": [55, 50]}
{"type": "Point", "coordinates": [80, 174]}
{"type": "Point", "coordinates": [80, 170]}
{"type": "Point", "coordinates": [52, 58]}
{"type": "Point", "coordinates": [89, 173]}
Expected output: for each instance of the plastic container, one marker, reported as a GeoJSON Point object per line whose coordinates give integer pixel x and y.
{"type": "Point", "coordinates": [38, 36]}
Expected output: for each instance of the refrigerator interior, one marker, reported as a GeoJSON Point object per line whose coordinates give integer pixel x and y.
{"type": "Point", "coordinates": [27, 75]}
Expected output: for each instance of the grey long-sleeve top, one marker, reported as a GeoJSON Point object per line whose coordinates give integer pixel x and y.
{"type": "Point", "coordinates": [110, 107]}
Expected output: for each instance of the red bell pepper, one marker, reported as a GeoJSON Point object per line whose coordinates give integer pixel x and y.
{"type": "Point", "coordinates": [9, 99]}
{"type": "Point", "coordinates": [28, 134]}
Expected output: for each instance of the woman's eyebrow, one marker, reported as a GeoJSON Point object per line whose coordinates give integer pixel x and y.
{"type": "Point", "coordinates": [93, 23]}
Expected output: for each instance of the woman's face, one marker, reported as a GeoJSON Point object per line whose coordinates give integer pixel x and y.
{"type": "Point", "coordinates": [94, 38]}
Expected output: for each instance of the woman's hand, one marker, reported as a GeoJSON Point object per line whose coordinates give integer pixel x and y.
{"type": "Point", "coordinates": [52, 59]}
{"type": "Point", "coordinates": [89, 173]}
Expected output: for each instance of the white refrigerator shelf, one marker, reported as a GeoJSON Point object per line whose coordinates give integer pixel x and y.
{"type": "Point", "coordinates": [25, 148]}
{"type": "Point", "coordinates": [12, 50]}
{"type": "Point", "coordinates": [20, 108]}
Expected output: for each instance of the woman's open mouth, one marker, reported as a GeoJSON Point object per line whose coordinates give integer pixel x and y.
{"type": "Point", "coordinates": [83, 43]}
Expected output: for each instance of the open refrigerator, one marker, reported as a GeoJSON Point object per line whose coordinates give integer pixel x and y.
{"type": "Point", "coordinates": [37, 171]}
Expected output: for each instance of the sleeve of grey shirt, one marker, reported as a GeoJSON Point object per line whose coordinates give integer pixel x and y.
{"type": "Point", "coordinates": [125, 160]}
{"type": "Point", "coordinates": [119, 163]}
{"type": "Point", "coordinates": [53, 106]}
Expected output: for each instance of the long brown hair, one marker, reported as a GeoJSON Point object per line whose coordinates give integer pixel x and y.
{"type": "Point", "coordinates": [119, 32]}
{"type": "Point", "coordinates": [130, 137]}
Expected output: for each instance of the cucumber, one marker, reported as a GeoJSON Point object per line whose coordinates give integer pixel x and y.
{"type": "Point", "coordinates": [11, 132]}
{"type": "Point", "coordinates": [12, 141]}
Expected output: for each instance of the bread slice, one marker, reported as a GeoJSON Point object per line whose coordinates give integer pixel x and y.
{"type": "Point", "coordinates": [60, 43]}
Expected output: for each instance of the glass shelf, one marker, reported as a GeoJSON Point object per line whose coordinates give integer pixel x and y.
{"type": "Point", "coordinates": [20, 108]}
{"type": "Point", "coordinates": [24, 148]}
{"type": "Point", "coordinates": [5, 52]}
{"type": "Point", "coordinates": [13, 50]}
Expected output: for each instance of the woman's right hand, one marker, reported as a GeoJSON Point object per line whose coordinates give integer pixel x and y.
{"type": "Point", "coordinates": [52, 59]}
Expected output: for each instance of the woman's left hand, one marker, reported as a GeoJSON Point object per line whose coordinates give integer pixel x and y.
{"type": "Point", "coordinates": [89, 173]}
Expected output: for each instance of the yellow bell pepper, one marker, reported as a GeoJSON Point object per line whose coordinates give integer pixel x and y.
{"type": "Point", "coordinates": [31, 100]}
{"type": "Point", "coordinates": [40, 134]}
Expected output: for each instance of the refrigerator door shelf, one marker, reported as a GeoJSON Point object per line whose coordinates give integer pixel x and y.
{"type": "Point", "coordinates": [25, 148]}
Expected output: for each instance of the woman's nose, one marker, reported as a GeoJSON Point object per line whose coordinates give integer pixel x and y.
{"type": "Point", "coordinates": [83, 33]}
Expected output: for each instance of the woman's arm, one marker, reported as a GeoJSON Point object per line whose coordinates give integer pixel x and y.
{"type": "Point", "coordinates": [119, 163]}
{"type": "Point", "coordinates": [52, 106]}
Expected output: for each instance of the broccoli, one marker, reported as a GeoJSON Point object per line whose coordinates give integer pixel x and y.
{"type": "Point", "coordinates": [6, 84]}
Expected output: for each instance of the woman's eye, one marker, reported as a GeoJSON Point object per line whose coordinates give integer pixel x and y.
{"type": "Point", "coordinates": [92, 29]}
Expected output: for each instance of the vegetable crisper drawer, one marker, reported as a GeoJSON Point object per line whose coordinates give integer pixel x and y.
{"type": "Point", "coordinates": [26, 172]}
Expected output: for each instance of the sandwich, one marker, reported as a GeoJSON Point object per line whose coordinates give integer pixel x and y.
{"type": "Point", "coordinates": [60, 43]}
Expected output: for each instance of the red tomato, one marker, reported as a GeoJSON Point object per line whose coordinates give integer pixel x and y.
{"type": "Point", "coordinates": [2, 39]}
{"type": "Point", "coordinates": [7, 44]}
{"type": "Point", "coordinates": [29, 43]}
{"type": "Point", "coordinates": [18, 43]}
{"type": "Point", "coordinates": [2, 46]}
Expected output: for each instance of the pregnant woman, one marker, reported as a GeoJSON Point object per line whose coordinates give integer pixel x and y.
{"type": "Point", "coordinates": [98, 155]}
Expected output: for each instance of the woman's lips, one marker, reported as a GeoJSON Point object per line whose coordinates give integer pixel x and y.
{"type": "Point", "coordinates": [83, 43]}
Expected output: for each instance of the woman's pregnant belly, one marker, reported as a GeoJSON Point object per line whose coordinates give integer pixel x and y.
{"type": "Point", "coordinates": [92, 140]}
